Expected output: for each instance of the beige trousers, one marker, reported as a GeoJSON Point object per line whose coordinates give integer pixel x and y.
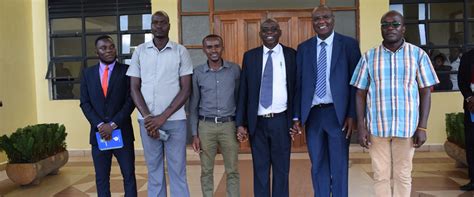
{"type": "Point", "coordinates": [388, 153]}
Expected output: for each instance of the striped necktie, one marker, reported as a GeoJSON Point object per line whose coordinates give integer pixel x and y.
{"type": "Point", "coordinates": [321, 72]}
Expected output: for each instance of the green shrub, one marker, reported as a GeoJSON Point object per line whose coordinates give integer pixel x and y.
{"type": "Point", "coordinates": [455, 128]}
{"type": "Point", "coordinates": [34, 143]}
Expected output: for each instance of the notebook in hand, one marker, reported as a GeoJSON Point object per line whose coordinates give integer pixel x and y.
{"type": "Point", "coordinates": [114, 143]}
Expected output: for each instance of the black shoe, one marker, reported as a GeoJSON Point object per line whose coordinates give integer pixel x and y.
{"type": "Point", "coordinates": [467, 187]}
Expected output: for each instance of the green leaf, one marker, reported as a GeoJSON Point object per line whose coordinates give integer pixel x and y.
{"type": "Point", "coordinates": [34, 143]}
{"type": "Point", "coordinates": [455, 128]}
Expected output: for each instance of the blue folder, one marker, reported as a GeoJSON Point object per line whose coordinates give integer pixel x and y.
{"type": "Point", "coordinates": [114, 143]}
{"type": "Point", "coordinates": [472, 117]}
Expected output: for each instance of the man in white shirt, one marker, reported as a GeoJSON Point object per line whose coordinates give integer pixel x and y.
{"type": "Point", "coordinates": [265, 109]}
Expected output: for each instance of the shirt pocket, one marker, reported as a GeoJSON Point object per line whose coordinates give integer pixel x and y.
{"type": "Point", "coordinates": [148, 68]}
{"type": "Point", "coordinates": [407, 74]}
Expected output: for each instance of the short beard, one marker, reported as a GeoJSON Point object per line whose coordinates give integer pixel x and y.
{"type": "Point", "coordinates": [161, 37]}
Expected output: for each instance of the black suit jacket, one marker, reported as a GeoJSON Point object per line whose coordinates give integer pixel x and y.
{"type": "Point", "coordinates": [465, 75]}
{"type": "Point", "coordinates": [249, 90]}
{"type": "Point", "coordinates": [116, 107]}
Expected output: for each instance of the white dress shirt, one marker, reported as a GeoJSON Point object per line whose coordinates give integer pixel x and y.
{"type": "Point", "coordinates": [454, 77]}
{"type": "Point", "coordinates": [280, 96]}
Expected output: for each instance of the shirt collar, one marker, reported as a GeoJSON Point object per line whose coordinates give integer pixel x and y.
{"type": "Point", "coordinates": [102, 65]}
{"type": "Point", "coordinates": [276, 50]}
{"type": "Point", "coordinates": [150, 44]}
{"type": "Point", "coordinates": [388, 50]}
{"type": "Point", "coordinates": [328, 40]}
{"type": "Point", "coordinates": [224, 65]}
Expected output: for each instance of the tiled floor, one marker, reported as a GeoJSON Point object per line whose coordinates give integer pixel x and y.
{"type": "Point", "coordinates": [434, 175]}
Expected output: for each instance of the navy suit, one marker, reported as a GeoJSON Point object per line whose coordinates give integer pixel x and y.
{"type": "Point", "coordinates": [269, 137]}
{"type": "Point", "coordinates": [116, 107]}
{"type": "Point", "coordinates": [327, 146]}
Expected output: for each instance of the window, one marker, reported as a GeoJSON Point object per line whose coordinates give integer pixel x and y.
{"type": "Point", "coordinates": [444, 29]}
{"type": "Point", "coordinates": [73, 27]}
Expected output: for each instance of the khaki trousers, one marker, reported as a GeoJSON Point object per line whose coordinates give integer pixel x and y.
{"type": "Point", "coordinates": [388, 153]}
{"type": "Point", "coordinates": [223, 135]}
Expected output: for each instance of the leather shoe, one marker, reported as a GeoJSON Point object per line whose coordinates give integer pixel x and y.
{"type": "Point", "coordinates": [467, 187]}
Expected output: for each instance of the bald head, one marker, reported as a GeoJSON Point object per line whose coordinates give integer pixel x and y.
{"type": "Point", "coordinates": [269, 21]}
{"type": "Point", "coordinates": [163, 14]}
{"type": "Point", "coordinates": [393, 13]}
{"type": "Point", "coordinates": [322, 8]}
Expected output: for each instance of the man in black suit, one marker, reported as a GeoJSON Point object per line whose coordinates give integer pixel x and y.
{"type": "Point", "coordinates": [265, 109]}
{"type": "Point", "coordinates": [107, 105]}
{"type": "Point", "coordinates": [465, 79]}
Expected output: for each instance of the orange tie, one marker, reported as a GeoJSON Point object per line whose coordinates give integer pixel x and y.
{"type": "Point", "coordinates": [105, 80]}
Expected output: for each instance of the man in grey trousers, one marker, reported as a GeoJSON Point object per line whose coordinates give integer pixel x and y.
{"type": "Point", "coordinates": [160, 77]}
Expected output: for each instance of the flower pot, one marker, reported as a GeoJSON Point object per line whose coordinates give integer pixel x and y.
{"type": "Point", "coordinates": [456, 152]}
{"type": "Point", "coordinates": [31, 173]}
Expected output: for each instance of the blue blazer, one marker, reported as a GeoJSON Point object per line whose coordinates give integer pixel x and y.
{"type": "Point", "coordinates": [249, 89]}
{"type": "Point", "coordinates": [345, 56]}
{"type": "Point", "coordinates": [116, 107]}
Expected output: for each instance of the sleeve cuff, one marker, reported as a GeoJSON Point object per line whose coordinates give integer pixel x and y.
{"type": "Point", "coordinates": [100, 124]}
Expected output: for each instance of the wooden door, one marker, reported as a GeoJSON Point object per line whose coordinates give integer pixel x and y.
{"type": "Point", "coordinates": [240, 32]}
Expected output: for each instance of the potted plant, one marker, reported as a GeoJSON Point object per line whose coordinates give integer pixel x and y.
{"type": "Point", "coordinates": [455, 144]}
{"type": "Point", "coordinates": [34, 152]}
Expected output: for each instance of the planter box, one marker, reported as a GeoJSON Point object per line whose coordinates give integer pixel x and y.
{"type": "Point", "coordinates": [457, 153]}
{"type": "Point", "coordinates": [31, 173]}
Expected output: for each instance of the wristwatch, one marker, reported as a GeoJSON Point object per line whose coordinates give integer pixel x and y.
{"type": "Point", "coordinates": [468, 99]}
{"type": "Point", "coordinates": [113, 125]}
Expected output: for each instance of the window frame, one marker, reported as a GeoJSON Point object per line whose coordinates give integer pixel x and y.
{"type": "Point", "coordinates": [464, 45]}
{"type": "Point", "coordinates": [82, 9]}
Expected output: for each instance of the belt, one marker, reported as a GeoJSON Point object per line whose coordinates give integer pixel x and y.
{"type": "Point", "coordinates": [271, 115]}
{"type": "Point", "coordinates": [217, 119]}
{"type": "Point", "coordinates": [323, 105]}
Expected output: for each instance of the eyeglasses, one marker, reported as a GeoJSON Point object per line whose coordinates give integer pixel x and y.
{"type": "Point", "coordinates": [394, 24]}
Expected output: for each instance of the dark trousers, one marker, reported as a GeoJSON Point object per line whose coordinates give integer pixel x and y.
{"type": "Point", "coordinates": [469, 139]}
{"type": "Point", "coordinates": [102, 164]}
{"type": "Point", "coordinates": [329, 152]}
{"type": "Point", "coordinates": [271, 147]}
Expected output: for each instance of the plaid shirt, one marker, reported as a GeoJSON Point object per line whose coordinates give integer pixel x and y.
{"type": "Point", "coordinates": [392, 80]}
